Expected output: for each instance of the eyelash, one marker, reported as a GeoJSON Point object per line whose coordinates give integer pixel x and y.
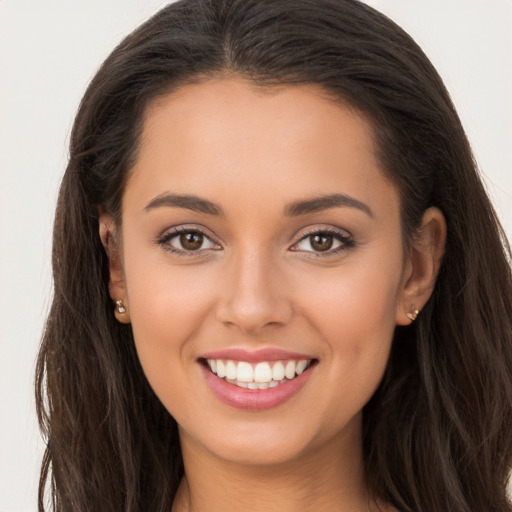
{"type": "Point", "coordinates": [176, 232]}
{"type": "Point", "coordinates": [345, 240]}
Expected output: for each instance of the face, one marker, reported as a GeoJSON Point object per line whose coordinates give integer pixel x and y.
{"type": "Point", "coordinates": [263, 267]}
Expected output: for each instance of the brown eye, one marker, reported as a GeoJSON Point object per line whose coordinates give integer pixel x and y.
{"type": "Point", "coordinates": [191, 241]}
{"type": "Point", "coordinates": [187, 242]}
{"type": "Point", "coordinates": [324, 242]}
{"type": "Point", "coordinates": [321, 242]}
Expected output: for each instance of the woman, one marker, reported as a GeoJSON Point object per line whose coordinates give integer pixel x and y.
{"type": "Point", "coordinates": [279, 283]}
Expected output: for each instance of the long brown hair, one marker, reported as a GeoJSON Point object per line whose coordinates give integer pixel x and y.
{"type": "Point", "coordinates": [437, 433]}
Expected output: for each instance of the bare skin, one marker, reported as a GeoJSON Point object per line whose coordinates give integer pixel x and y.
{"type": "Point", "coordinates": [316, 484]}
{"type": "Point", "coordinates": [261, 220]}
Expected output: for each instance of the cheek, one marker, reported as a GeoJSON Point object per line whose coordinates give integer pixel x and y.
{"type": "Point", "coordinates": [356, 298]}
{"type": "Point", "coordinates": [167, 307]}
{"type": "Point", "coordinates": [354, 311]}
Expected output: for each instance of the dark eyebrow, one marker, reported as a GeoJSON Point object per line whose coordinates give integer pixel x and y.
{"type": "Point", "coordinates": [193, 203]}
{"type": "Point", "coordinates": [317, 204]}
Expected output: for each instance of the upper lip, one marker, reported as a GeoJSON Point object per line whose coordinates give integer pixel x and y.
{"type": "Point", "coordinates": [263, 354]}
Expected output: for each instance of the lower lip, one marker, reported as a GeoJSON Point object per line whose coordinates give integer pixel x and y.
{"type": "Point", "coordinates": [254, 399]}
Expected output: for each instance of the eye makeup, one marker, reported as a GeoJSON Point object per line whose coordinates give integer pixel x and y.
{"type": "Point", "coordinates": [324, 242]}
{"type": "Point", "coordinates": [187, 241]}
{"type": "Point", "coordinates": [193, 241]}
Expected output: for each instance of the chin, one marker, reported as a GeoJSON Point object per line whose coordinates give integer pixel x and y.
{"type": "Point", "coordinates": [263, 452]}
{"type": "Point", "coordinates": [270, 443]}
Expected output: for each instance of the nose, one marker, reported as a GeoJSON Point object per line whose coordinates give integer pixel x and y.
{"type": "Point", "coordinates": [253, 294]}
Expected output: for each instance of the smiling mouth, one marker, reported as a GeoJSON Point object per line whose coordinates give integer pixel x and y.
{"type": "Point", "coordinates": [262, 375]}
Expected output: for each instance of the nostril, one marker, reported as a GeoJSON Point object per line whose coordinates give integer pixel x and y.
{"type": "Point", "coordinates": [250, 318]}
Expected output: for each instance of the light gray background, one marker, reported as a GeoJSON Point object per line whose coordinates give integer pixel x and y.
{"type": "Point", "coordinates": [49, 50]}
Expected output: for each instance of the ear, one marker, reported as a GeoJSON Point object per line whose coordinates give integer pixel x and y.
{"type": "Point", "coordinates": [116, 285]}
{"type": "Point", "coordinates": [422, 266]}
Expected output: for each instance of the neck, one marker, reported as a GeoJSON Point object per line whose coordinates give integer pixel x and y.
{"type": "Point", "coordinates": [330, 477]}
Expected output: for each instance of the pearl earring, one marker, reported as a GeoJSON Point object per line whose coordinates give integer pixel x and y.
{"type": "Point", "coordinates": [120, 307]}
{"type": "Point", "coordinates": [414, 314]}
{"type": "Point", "coordinates": [121, 312]}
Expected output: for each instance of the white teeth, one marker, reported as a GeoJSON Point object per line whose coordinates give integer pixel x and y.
{"type": "Point", "coordinates": [231, 370]}
{"type": "Point", "coordinates": [278, 371]}
{"type": "Point", "coordinates": [254, 385]}
{"type": "Point", "coordinates": [289, 370]}
{"type": "Point", "coordinates": [301, 366]}
{"type": "Point", "coordinates": [261, 376]}
{"type": "Point", "coordinates": [221, 370]}
{"type": "Point", "coordinates": [262, 373]}
{"type": "Point", "coordinates": [244, 372]}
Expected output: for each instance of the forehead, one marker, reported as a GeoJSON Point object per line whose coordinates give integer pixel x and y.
{"type": "Point", "coordinates": [219, 136]}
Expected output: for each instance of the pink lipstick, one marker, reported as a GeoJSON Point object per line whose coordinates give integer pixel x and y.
{"type": "Point", "coordinates": [255, 380]}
